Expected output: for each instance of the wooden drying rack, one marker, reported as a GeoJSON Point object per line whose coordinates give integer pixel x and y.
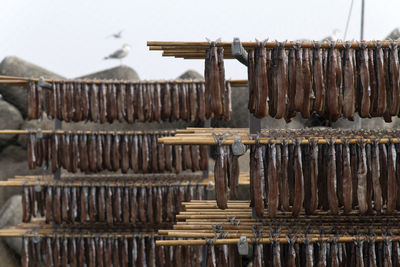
{"type": "Point", "coordinates": [118, 181]}
{"type": "Point", "coordinates": [127, 132]}
{"type": "Point", "coordinates": [202, 217]}
{"type": "Point", "coordinates": [37, 228]}
{"type": "Point", "coordinates": [196, 50]}
{"type": "Point", "coordinates": [23, 81]}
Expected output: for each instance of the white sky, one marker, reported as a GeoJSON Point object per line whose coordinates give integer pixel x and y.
{"type": "Point", "coordinates": [68, 37]}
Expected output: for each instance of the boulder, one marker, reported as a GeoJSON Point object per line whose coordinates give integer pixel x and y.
{"type": "Point", "coordinates": [120, 73]}
{"type": "Point", "coordinates": [11, 215]}
{"type": "Point", "coordinates": [10, 118]}
{"type": "Point", "coordinates": [8, 257]}
{"type": "Point", "coordinates": [191, 74]}
{"type": "Point", "coordinates": [15, 66]}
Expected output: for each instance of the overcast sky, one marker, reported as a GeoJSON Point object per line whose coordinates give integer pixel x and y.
{"type": "Point", "coordinates": [68, 37]}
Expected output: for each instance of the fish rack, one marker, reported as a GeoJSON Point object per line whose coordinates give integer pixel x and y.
{"type": "Point", "coordinates": [355, 211]}
{"type": "Point", "coordinates": [90, 206]}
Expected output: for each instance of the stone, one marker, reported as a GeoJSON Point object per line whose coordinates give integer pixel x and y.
{"type": "Point", "coordinates": [15, 66]}
{"type": "Point", "coordinates": [191, 74]}
{"type": "Point", "coordinates": [120, 73]}
{"type": "Point", "coordinates": [8, 257]}
{"type": "Point", "coordinates": [10, 118]}
{"type": "Point", "coordinates": [11, 215]}
{"type": "Point", "coordinates": [393, 35]}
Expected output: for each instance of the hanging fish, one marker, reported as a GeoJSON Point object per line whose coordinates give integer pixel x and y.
{"type": "Point", "coordinates": [291, 70]}
{"type": "Point", "coordinates": [83, 153]}
{"type": "Point", "coordinates": [139, 107]}
{"type": "Point", "coordinates": [32, 101]}
{"type": "Point", "coordinates": [380, 80]}
{"type": "Point", "coordinates": [48, 203]}
{"type": "Point", "coordinates": [65, 204]}
{"type": "Point", "coordinates": [391, 179]}
{"type": "Point", "coordinates": [313, 204]}
{"type": "Point", "coordinates": [150, 206]}
{"type": "Point", "coordinates": [251, 82]}
{"type": "Point", "coordinates": [347, 179]}
{"type": "Point", "coordinates": [307, 84]}
{"type": "Point", "coordinates": [332, 90]}
{"type": "Point", "coordinates": [273, 183]}
{"type": "Point", "coordinates": [178, 158]}
{"type": "Point", "coordinates": [284, 186]}
{"type": "Point", "coordinates": [261, 81]}
{"type": "Point", "coordinates": [176, 106]}
{"type": "Point", "coordinates": [117, 203]}
{"type": "Point", "coordinates": [364, 82]}
{"type": "Point", "coordinates": [166, 101]}
{"type": "Point", "coordinates": [124, 153]}
{"type": "Point", "coordinates": [133, 204]}
{"type": "Point", "coordinates": [74, 153]}
{"type": "Point", "coordinates": [160, 155]}
{"type": "Point", "coordinates": [112, 109]}
{"type": "Point", "coordinates": [121, 104]}
{"type": "Point", "coordinates": [394, 78]}
{"type": "Point", "coordinates": [362, 180]}
{"type": "Point", "coordinates": [349, 93]}
{"type": "Point", "coordinates": [215, 90]}
{"type": "Point", "coordinates": [31, 151]}
{"type": "Point", "coordinates": [145, 152]}
{"type": "Point", "coordinates": [299, 79]}
{"type": "Point", "coordinates": [299, 181]}
{"type": "Point", "coordinates": [154, 153]}
{"type": "Point", "coordinates": [134, 153]}
{"type": "Point", "coordinates": [142, 204]}
{"type": "Point", "coordinates": [109, 206]}
{"type": "Point", "coordinates": [318, 84]}
{"type": "Point", "coordinates": [115, 148]}
{"type": "Point", "coordinates": [92, 145]}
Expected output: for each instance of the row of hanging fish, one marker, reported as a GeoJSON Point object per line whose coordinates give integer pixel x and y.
{"type": "Point", "coordinates": [338, 178]}
{"type": "Point", "coordinates": [331, 82]}
{"type": "Point", "coordinates": [361, 252]}
{"type": "Point", "coordinates": [226, 175]}
{"type": "Point", "coordinates": [113, 152]}
{"type": "Point", "coordinates": [125, 101]}
{"type": "Point", "coordinates": [98, 250]}
{"type": "Point", "coordinates": [115, 204]}
{"type": "Point", "coordinates": [217, 90]}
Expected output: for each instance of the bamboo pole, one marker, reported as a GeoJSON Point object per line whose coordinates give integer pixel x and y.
{"type": "Point", "coordinates": [282, 240]}
{"type": "Point", "coordinates": [10, 131]}
{"type": "Point", "coordinates": [204, 140]}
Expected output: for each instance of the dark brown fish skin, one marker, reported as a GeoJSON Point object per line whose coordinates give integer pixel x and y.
{"type": "Point", "coordinates": [203, 157]}
{"type": "Point", "coordinates": [139, 107]}
{"type": "Point", "coordinates": [332, 91]}
{"type": "Point", "coordinates": [125, 206]}
{"type": "Point", "coordinates": [84, 198]}
{"type": "Point", "coordinates": [157, 106]}
{"type": "Point", "coordinates": [124, 153]}
{"type": "Point", "coordinates": [349, 94]}
{"type": "Point", "coordinates": [115, 148]}
{"type": "Point", "coordinates": [201, 98]}
{"type": "Point", "coordinates": [74, 153]}
{"type": "Point", "coordinates": [57, 205]}
{"type": "Point", "coordinates": [56, 251]}
{"type": "Point", "coordinates": [48, 94]}
{"type": "Point", "coordinates": [251, 81]}
{"type": "Point", "coordinates": [133, 205]}
{"type": "Point", "coordinates": [380, 79]}
{"type": "Point", "coordinates": [284, 186]}
{"type": "Point", "coordinates": [273, 183]}
{"type": "Point", "coordinates": [83, 153]}
{"type": "Point", "coordinates": [117, 204]}
{"type": "Point", "coordinates": [383, 163]}
{"type": "Point", "coordinates": [49, 204]}
{"type": "Point", "coordinates": [65, 204]}
{"type": "Point", "coordinates": [299, 181]}
{"type": "Point", "coordinates": [32, 100]}
{"type": "Point", "coordinates": [31, 151]}
{"type": "Point", "coordinates": [161, 155]}
{"type": "Point", "coordinates": [130, 103]}
{"type": "Point", "coordinates": [175, 102]}
{"type": "Point", "coordinates": [154, 153]}
{"type": "Point", "coordinates": [227, 101]}
{"type": "Point", "coordinates": [92, 152]}
{"type": "Point", "coordinates": [112, 102]}
{"type": "Point", "coordinates": [150, 206]}
{"type": "Point", "coordinates": [108, 244]}
{"type": "Point", "coordinates": [92, 204]}
{"type": "Point", "coordinates": [313, 205]}
{"type": "Point", "coordinates": [103, 103]}
{"type": "Point", "coordinates": [70, 101]}
{"type": "Point", "coordinates": [121, 102]}
{"type": "Point", "coordinates": [362, 181]}
{"type": "Point", "coordinates": [332, 196]}
{"type": "Point", "coordinates": [307, 84]}
{"type": "Point", "coordinates": [178, 158]}
{"type": "Point", "coordinates": [392, 183]}
{"type": "Point", "coordinates": [52, 108]}
{"type": "Point", "coordinates": [193, 101]}
{"type": "Point", "coordinates": [372, 82]}
{"type": "Point", "coordinates": [215, 90]}
{"type": "Point", "coordinates": [393, 72]}
{"type": "Point", "coordinates": [145, 153]}
{"type": "Point", "coordinates": [134, 153]}
{"type": "Point", "coordinates": [221, 77]}
{"type": "Point", "coordinates": [375, 177]}
{"type": "Point", "coordinates": [299, 93]}
{"type": "Point", "coordinates": [142, 205]}
{"type": "Point", "coordinates": [220, 178]}
{"type": "Point", "coordinates": [261, 82]}
{"type": "Point", "coordinates": [184, 105]}
{"type": "Point", "coordinates": [364, 83]}
{"type": "Point", "coordinates": [94, 102]}
{"type": "Point", "coordinates": [170, 203]}
{"type": "Point", "coordinates": [158, 204]}
{"type": "Point", "coordinates": [26, 210]}
{"type": "Point", "coordinates": [354, 168]}
{"type": "Point", "coordinates": [347, 180]}
{"type": "Point", "coordinates": [272, 71]}
{"type": "Point", "coordinates": [166, 102]}
{"type": "Point", "coordinates": [282, 83]}
{"type": "Point", "coordinates": [317, 79]}
{"type": "Point", "coordinates": [195, 157]}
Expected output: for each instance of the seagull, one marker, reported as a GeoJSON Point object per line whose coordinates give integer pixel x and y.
{"type": "Point", "coordinates": [117, 35]}
{"type": "Point", "coordinates": [333, 37]}
{"type": "Point", "coordinates": [120, 53]}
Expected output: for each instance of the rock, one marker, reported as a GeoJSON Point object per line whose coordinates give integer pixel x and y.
{"type": "Point", "coordinates": [15, 153]}
{"type": "Point", "coordinates": [10, 118]}
{"type": "Point", "coordinates": [8, 257]}
{"type": "Point", "coordinates": [15, 66]}
{"type": "Point", "coordinates": [44, 124]}
{"type": "Point", "coordinates": [191, 74]}
{"type": "Point", "coordinates": [11, 215]}
{"type": "Point", "coordinates": [120, 73]}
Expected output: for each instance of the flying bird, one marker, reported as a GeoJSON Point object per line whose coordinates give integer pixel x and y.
{"type": "Point", "coordinates": [117, 35]}
{"type": "Point", "coordinates": [120, 53]}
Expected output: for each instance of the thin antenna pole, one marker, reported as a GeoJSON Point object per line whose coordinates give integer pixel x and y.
{"type": "Point", "coordinates": [362, 20]}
